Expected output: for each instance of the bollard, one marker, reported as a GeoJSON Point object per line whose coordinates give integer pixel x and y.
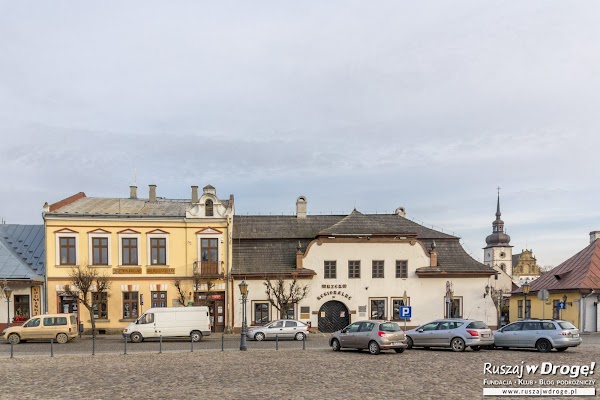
{"type": "Point", "coordinates": [222, 342]}
{"type": "Point", "coordinates": [276, 341]}
{"type": "Point", "coordinates": [94, 344]}
{"type": "Point", "coordinates": [11, 350]}
{"type": "Point", "coordinates": [303, 342]}
{"type": "Point", "coordinates": [51, 347]}
{"type": "Point", "coordinates": [192, 350]}
{"type": "Point", "coordinates": [160, 346]}
{"type": "Point", "coordinates": [125, 352]}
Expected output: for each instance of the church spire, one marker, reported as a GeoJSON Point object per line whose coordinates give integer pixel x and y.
{"type": "Point", "coordinates": [498, 214]}
{"type": "Point", "coordinates": [498, 237]}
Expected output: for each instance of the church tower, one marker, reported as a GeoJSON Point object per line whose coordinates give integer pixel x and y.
{"type": "Point", "coordinates": [498, 252]}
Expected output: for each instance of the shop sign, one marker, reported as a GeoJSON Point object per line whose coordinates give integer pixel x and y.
{"type": "Point", "coordinates": [160, 270]}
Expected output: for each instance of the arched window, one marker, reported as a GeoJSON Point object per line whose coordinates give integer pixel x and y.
{"type": "Point", "coordinates": [209, 208]}
{"type": "Point", "coordinates": [503, 267]}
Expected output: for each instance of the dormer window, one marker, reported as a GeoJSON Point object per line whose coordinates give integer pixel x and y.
{"type": "Point", "coordinates": [209, 208]}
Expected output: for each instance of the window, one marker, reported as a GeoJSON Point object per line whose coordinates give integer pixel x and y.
{"type": "Point", "coordinates": [555, 310]}
{"type": "Point", "coordinates": [130, 305]}
{"type": "Point", "coordinates": [353, 269]}
{"type": "Point", "coordinates": [99, 251]}
{"type": "Point", "coordinates": [378, 309]}
{"type": "Point", "coordinates": [520, 309]}
{"type": "Point", "coordinates": [21, 305]}
{"type": "Point", "coordinates": [456, 308]}
{"type": "Point", "coordinates": [55, 321]}
{"type": "Point", "coordinates": [209, 256]}
{"type": "Point", "coordinates": [67, 250]}
{"type": "Point", "coordinates": [158, 251]}
{"type": "Point", "coordinates": [377, 269]}
{"type": "Point", "coordinates": [396, 304]}
{"type": "Point", "coordinates": [159, 299]}
{"type": "Point", "coordinates": [100, 304]}
{"type": "Point", "coordinates": [432, 326]}
{"type": "Point", "coordinates": [304, 312]}
{"type": "Point", "coordinates": [528, 309]}
{"type": "Point", "coordinates": [548, 326]}
{"type": "Point", "coordinates": [532, 326]}
{"type": "Point", "coordinates": [291, 324]}
{"type": "Point", "coordinates": [401, 269]}
{"type": "Point", "coordinates": [513, 327]}
{"type": "Point", "coordinates": [209, 208]}
{"type": "Point", "coordinates": [147, 318]}
{"type": "Point", "coordinates": [330, 269]}
{"type": "Point", "coordinates": [261, 314]}
{"type": "Point", "coordinates": [129, 249]}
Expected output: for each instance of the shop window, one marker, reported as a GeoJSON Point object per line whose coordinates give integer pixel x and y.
{"type": "Point", "coordinates": [378, 309]}
{"type": "Point", "coordinates": [100, 304]}
{"type": "Point", "coordinates": [130, 305]}
{"type": "Point", "coordinates": [21, 311]}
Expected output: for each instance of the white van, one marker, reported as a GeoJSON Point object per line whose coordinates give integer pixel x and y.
{"type": "Point", "coordinates": [192, 322]}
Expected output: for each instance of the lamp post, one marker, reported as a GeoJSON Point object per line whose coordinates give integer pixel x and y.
{"type": "Point", "coordinates": [526, 288]}
{"type": "Point", "coordinates": [7, 293]}
{"type": "Point", "coordinates": [244, 291]}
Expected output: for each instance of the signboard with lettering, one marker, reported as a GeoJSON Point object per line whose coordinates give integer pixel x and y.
{"type": "Point", "coordinates": [160, 270]}
{"type": "Point", "coordinates": [127, 270]}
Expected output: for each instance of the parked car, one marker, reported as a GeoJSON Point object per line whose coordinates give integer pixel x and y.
{"type": "Point", "coordinates": [281, 328]}
{"type": "Point", "coordinates": [190, 322]}
{"type": "Point", "coordinates": [541, 334]}
{"type": "Point", "coordinates": [458, 334]}
{"type": "Point", "coordinates": [372, 335]}
{"type": "Point", "coordinates": [60, 327]}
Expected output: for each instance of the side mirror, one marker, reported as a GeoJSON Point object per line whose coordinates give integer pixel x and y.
{"type": "Point", "coordinates": [420, 330]}
{"type": "Point", "coordinates": [343, 331]}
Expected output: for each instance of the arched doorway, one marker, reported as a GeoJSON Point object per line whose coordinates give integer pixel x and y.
{"type": "Point", "coordinates": [333, 316]}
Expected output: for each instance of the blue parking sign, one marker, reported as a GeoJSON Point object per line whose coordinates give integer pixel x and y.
{"type": "Point", "coordinates": [405, 311]}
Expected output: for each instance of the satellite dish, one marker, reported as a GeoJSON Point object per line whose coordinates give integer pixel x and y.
{"type": "Point", "coordinates": [543, 294]}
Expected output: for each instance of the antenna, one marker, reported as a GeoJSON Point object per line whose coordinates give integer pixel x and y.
{"type": "Point", "coordinates": [135, 177]}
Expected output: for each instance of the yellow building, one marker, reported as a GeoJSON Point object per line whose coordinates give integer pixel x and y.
{"type": "Point", "coordinates": [156, 252]}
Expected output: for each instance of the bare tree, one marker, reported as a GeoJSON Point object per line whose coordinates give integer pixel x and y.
{"type": "Point", "coordinates": [181, 289]}
{"type": "Point", "coordinates": [85, 281]}
{"type": "Point", "coordinates": [283, 296]}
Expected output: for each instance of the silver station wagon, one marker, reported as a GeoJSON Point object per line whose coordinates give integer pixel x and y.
{"type": "Point", "coordinates": [372, 335]}
{"type": "Point", "coordinates": [543, 335]}
{"type": "Point", "coordinates": [457, 334]}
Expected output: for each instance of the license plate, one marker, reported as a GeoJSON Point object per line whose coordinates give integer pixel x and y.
{"type": "Point", "coordinates": [396, 343]}
{"type": "Point", "coordinates": [576, 335]}
{"type": "Point", "coordinates": [485, 335]}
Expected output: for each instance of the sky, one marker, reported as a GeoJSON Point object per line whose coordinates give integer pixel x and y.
{"type": "Point", "coordinates": [372, 105]}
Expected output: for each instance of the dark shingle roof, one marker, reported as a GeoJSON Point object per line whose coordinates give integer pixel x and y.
{"type": "Point", "coordinates": [582, 271]}
{"type": "Point", "coordinates": [22, 251]}
{"type": "Point", "coordinates": [263, 244]}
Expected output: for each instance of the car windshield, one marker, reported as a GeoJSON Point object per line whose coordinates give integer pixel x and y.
{"type": "Point", "coordinates": [477, 325]}
{"type": "Point", "coordinates": [566, 325]}
{"type": "Point", "coordinates": [389, 327]}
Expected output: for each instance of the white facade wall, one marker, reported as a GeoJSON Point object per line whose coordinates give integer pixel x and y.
{"type": "Point", "coordinates": [426, 295]}
{"type": "Point", "coordinates": [590, 321]}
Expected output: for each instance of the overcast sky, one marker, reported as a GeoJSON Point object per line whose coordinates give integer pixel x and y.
{"type": "Point", "coordinates": [374, 105]}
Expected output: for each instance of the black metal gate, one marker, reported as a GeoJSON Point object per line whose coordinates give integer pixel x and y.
{"type": "Point", "coordinates": [333, 316]}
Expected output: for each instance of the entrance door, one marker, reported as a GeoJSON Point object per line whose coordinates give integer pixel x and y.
{"type": "Point", "coordinates": [216, 309]}
{"type": "Point", "coordinates": [333, 316]}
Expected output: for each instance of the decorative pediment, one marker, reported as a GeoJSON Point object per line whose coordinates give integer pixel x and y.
{"type": "Point", "coordinates": [209, 231]}
{"type": "Point", "coordinates": [158, 232]}
{"type": "Point", "coordinates": [98, 230]}
{"type": "Point", "coordinates": [65, 230]}
{"type": "Point", "coordinates": [128, 232]}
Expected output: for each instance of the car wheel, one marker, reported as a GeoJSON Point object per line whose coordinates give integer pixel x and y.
{"type": "Point", "coordinates": [14, 338]}
{"type": "Point", "coordinates": [335, 345]}
{"type": "Point", "coordinates": [259, 337]}
{"type": "Point", "coordinates": [374, 348]}
{"type": "Point", "coordinates": [196, 336]}
{"type": "Point", "coordinates": [475, 348]}
{"type": "Point", "coordinates": [401, 350]}
{"type": "Point", "coordinates": [62, 338]}
{"type": "Point", "coordinates": [543, 346]}
{"type": "Point", "coordinates": [409, 342]}
{"type": "Point", "coordinates": [299, 336]}
{"type": "Point", "coordinates": [136, 337]}
{"type": "Point", "coordinates": [561, 349]}
{"type": "Point", "coordinates": [458, 344]}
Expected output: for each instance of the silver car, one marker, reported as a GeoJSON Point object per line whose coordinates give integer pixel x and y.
{"type": "Point", "coordinates": [457, 334]}
{"type": "Point", "coordinates": [280, 329]}
{"type": "Point", "coordinates": [372, 335]}
{"type": "Point", "coordinates": [543, 335]}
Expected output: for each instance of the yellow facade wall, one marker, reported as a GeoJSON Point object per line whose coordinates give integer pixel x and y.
{"type": "Point", "coordinates": [541, 309]}
{"type": "Point", "coordinates": [182, 252]}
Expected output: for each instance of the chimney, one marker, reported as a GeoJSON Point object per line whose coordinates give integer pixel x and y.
{"type": "Point", "coordinates": [46, 207]}
{"type": "Point", "coordinates": [152, 195]}
{"type": "Point", "coordinates": [301, 207]}
{"type": "Point", "coordinates": [433, 261]}
{"type": "Point", "coordinates": [133, 192]}
{"type": "Point", "coordinates": [194, 194]}
{"type": "Point", "coordinates": [594, 235]}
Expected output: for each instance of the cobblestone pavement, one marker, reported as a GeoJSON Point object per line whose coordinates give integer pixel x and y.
{"type": "Point", "coordinates": [269, 374]}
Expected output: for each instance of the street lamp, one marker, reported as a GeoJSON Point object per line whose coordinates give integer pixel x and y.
{"type": "Point", "coordinates": [7, 293]}
{"type": "Point", "coordinates": [244, 291]}
{"type": "Point", "coordinates": [526, 288]}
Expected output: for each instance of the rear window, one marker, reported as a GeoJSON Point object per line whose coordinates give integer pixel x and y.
{"type": "Point", "coordinates": [477, 325]}
{"type": "Point", "coordinates": [566, 325]}
{"type": "Point", "coordinates": [389, 327]}
{"type": "Point", "coordinates": [73, 320]}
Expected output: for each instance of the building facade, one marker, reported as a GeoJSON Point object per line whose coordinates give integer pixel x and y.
{"type": "Point", "coordinates": [155, 252]}
{"type": "Point", "coordinates": [357, 267]}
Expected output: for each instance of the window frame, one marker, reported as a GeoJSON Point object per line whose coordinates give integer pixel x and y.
{"type": "Point", "coordinates": [138, 238]}
{"type": "Point", "coordinates": [377, 269]}
{"type": "Point", "coordinates": [209, 208]}
{"type": "Point", "coordinates": [448, 312]}
{"type": "Point", "coordinates": [67, 235]}
{"type": "Point", "coordinates": [156, 299]}
{"type": "Point", "coordinates": [134, 304]}
{"type": "Point", "coordinates": [103, 300]}
{"type": "Point", "coordinates": [354, 269]}
{"type": "Point", "coordinates": [91, 247]}
{"type": "Point", "coordinates": [329, 269]}
{"type": "Point", "coordinates": [397, 313]}
{"type": "Point", "coordinates": [254, 314]}
{"type": "Point", "coordinates": [150, 237]}
{"type": "Point", "coordinates": [219, 239]}
{"type": "Point", "coordinates": [402, 269]}
{"type": "Point", "coordinates": [519, 308]}
{"type": "Point", "coordinates": [20, 305]}
{"type": "Point", "coordinates": [384, 302]}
